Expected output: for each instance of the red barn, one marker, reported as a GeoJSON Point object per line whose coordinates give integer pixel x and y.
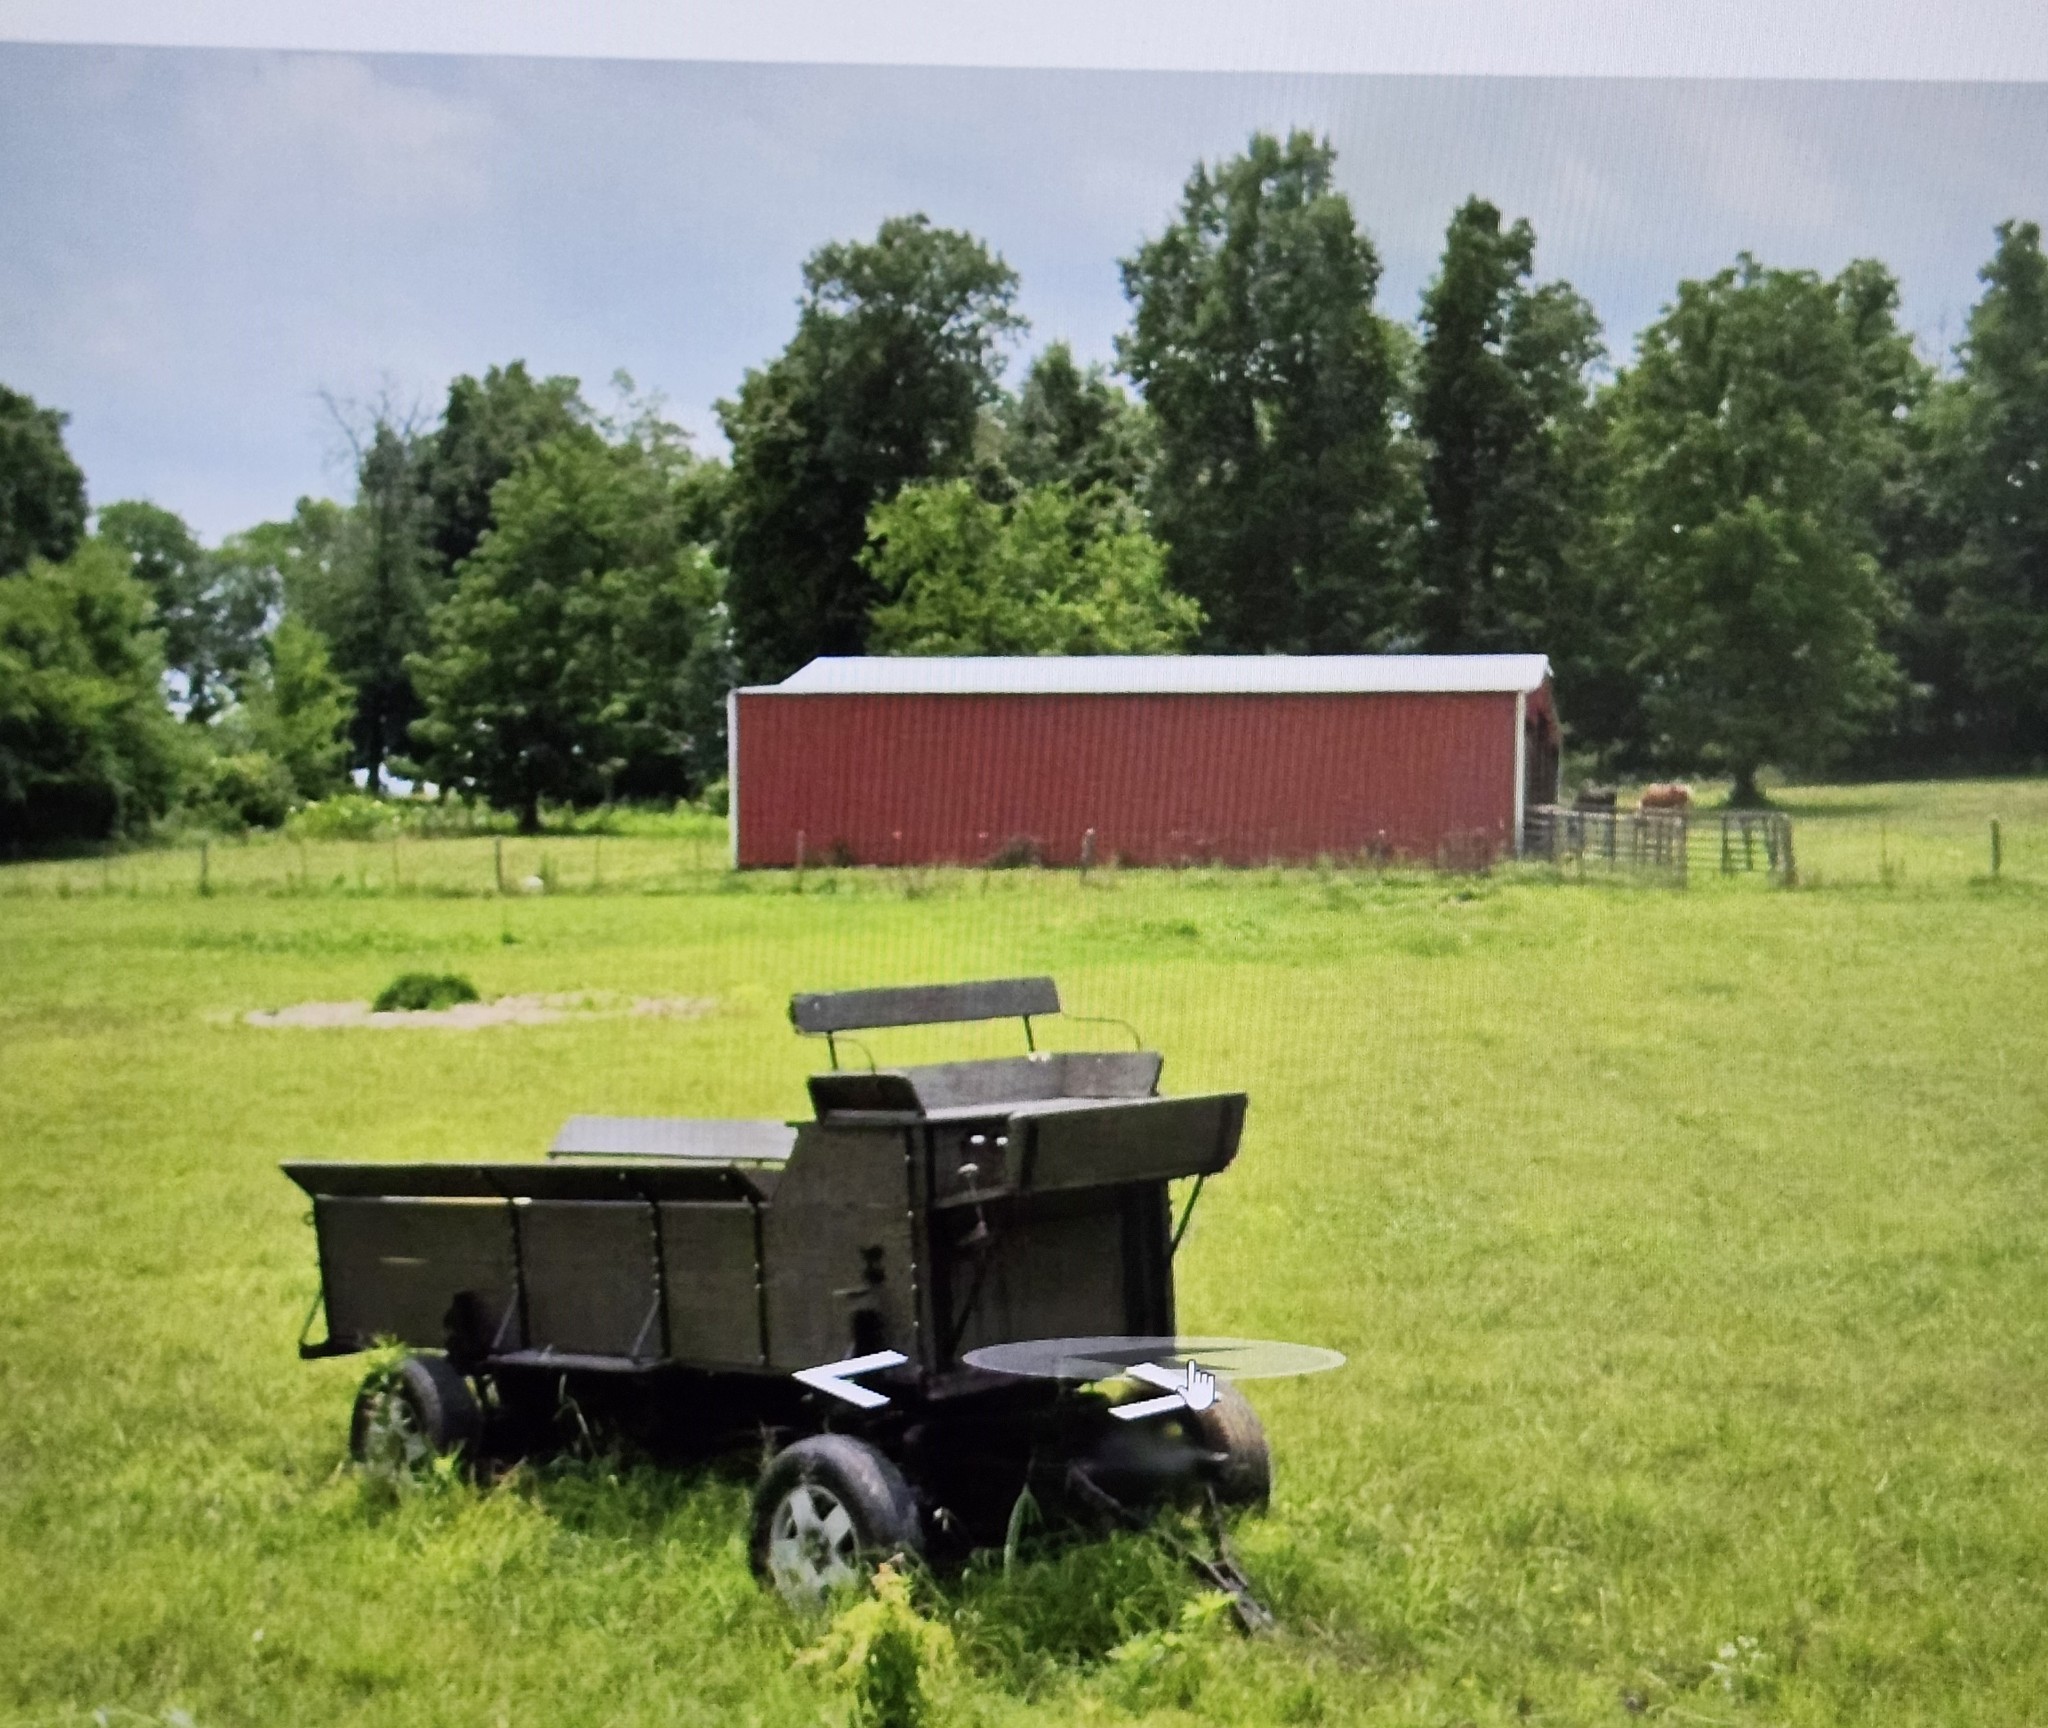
{"type": "Point", "coordinates": [1241, 759]}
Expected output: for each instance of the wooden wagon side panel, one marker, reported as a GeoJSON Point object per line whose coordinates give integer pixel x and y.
{"type": "Point", "coordinates": [714, 1287]}
{"type": "Point", "coordinates": [399, 1268]}
{"type": "Point", "coordinates": [1051, 1266]}
{"type": "Point", "coordinates": [592, 1280]}
{"type": "Point", "coordinates": [840, 1251]}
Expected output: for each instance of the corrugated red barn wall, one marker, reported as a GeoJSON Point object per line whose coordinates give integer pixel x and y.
{"type": "Point", "coordinates": [1161, 779]}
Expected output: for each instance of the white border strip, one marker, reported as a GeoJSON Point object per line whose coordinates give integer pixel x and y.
{"type": "Point", "coordinates": [1922, 40]}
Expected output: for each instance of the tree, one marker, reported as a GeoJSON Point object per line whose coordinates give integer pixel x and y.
{"type": "Point", "coordinates": [1270, 381]}
{"type": "Point", "coordinates": [367, 582]}
{"type": "Point", "coordinates": [87, 748]}
{"type": "Point", "coordinates": [42, 491]}
{"type": "Point", "coordinates": [1990, 450]}
{"type": "Point", "coordinates": [211, 609]}
{"type": "Point", "coordinates": [1045, 574]}
{"type": "Point", "coordinates": [1072, 426]}
{"type": "Point", "coordinates": [1748, 443]}
{"type": "Point", "coordinates": [297, 709]}
{"type": "Point", "coordinates": [299, 555]}
{"type": "Point", "coordinates": [1501, 409]}
{"type": "Point", "coordinates": [488, 427]}
{"type": "Point", "coordinates": [894, 358]}
{"type": "Point", "coordinates": [582, 653]}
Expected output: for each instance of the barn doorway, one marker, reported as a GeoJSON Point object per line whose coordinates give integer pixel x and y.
{"type": "Point", "coordinates": [1541, 751]}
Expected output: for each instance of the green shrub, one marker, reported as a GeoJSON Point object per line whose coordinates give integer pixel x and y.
{"type": "Point", "coordinates": [346, 816]}
{"type": "Point", "coordinates": [419, 992]}
{"type": "Point", "coordinates": [248, 789]}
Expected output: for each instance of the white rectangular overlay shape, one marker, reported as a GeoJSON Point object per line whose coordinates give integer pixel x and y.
{"type": "Point", "coordinates": [2002, 41]}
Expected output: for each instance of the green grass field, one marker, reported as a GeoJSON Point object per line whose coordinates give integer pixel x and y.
{"type": "Point", "coordinates": [1690, 1251]}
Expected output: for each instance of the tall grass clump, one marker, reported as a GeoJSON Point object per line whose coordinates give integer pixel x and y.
{"type": "Point", "coordinates": [888, 1656]}
{"type": "Point", "coordinates": [423, 992]}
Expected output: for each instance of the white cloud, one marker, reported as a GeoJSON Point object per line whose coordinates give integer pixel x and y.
{"type": "Point", "coordinates": [327, 126]}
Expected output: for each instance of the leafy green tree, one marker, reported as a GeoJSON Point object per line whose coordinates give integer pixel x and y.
{"type": "Point", "coordinates": [1501, 409]}
{"type": "Point", "coordinates": [42, 491]}
{"type": "Point", "coordinates": [1271, 381]}
{"type": "Point", "coordinates": [1044, 574]}
{"type": "Point", "coordinates": [487, 427]}
{"type": "Point", "coordinates": [87, 747]}
{"type": "Point", "coordinates": [895, 357]}
{"type": "Point", "coordinates": [1748, 444]}
{"type": "Point", "coordinates": [211, 609]}
{"type": "Point", "coordinates": [367, 581]}
{"type": "Point", "coordinates": [1989, 437]}
{"type": "Point", "coordinates": [299, 555]}
{"type": "Point", "coordinates": [297, 709]}
{"type": "Point", "coordinates": [582, 653]}
{"type": "Point", "coordinates": [1072, 426]}
{"type": "Point", "coordinates": [1913, 532]}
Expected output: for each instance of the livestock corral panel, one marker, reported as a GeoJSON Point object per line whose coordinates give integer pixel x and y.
{"type": "Point", "coordinates": [1157, 779]}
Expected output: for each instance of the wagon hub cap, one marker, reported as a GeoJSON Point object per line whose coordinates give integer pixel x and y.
{"type": "Point", "coordinates": [396, 1440]}
{"type": "Point", "coordinates": [812, 1545]}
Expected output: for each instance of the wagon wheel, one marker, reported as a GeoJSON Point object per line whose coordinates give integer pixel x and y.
{"type": "Point", "coordinates": [407, 1415]}
{"type": "Point", "coordinates": [1231, 1432]}
{"type": "Point", "coordinates": [828, 1509]}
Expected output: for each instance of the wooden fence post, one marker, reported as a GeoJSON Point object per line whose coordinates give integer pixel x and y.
{"type": "Point", "coordinates": [205, 867]}
{"type": "Point", "coordinates": [1997, 849]}
{"type": "Point", "coordinates": [498, 861]}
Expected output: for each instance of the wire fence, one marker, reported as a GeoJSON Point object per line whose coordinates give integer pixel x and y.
{"type": "Point", "coordinates": [1661, 843]}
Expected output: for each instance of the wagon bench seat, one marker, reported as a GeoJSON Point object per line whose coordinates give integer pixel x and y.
{"type": "Point", "coordinates": [706, 1141]}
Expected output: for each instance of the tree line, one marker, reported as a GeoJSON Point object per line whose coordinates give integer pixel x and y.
{"type": "Point", "coordinates": [1775, 534]}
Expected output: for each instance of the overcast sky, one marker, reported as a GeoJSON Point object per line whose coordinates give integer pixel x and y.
{"type": "Point", "coordinates": [195, 244]}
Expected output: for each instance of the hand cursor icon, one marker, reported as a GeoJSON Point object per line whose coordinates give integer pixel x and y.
{"type": "Point", "coordinates": [1200, 1390]}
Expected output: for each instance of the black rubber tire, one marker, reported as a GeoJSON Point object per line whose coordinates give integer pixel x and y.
{"type": "Point", "coordinates": [877, 1501]}
{"type": "Point", "coordinates": [436, 1401]}
{"type": "Point", "coordinates": [1230, 1430]}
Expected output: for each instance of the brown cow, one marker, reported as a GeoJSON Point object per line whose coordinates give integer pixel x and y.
{"type": "Point", "coordinates": [1666, 795]}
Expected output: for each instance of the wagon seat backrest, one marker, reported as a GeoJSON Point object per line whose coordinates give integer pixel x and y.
{"type": "Point", "coordinates": [827, 1014]}
{"type": "Point", "coordinates": [1039, 1076]}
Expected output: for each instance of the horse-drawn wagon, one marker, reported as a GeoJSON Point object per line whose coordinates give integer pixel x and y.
{"type": "Point", "coordinates": [821, 1283]}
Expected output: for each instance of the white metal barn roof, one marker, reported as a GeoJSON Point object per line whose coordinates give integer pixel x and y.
{"type": "Point", "coordinates": [1166, 674]}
